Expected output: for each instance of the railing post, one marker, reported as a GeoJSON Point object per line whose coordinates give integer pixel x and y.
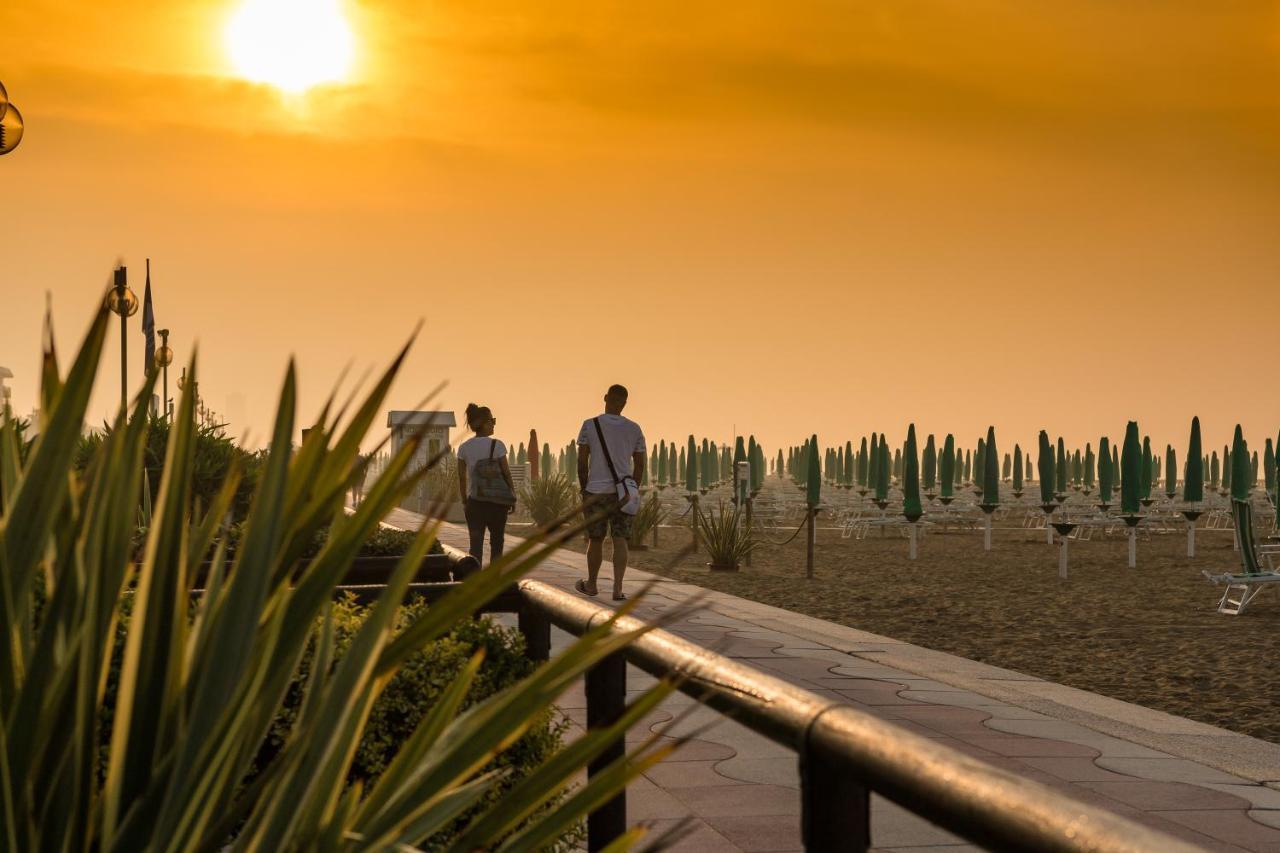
{"type": "Point", "coordinates": [835, 810]}
{"type": "Point", "coordinates": [606, 700]}
{"type": "Point", "coordinates": [536, 628]}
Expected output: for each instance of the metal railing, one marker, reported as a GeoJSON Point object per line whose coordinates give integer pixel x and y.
{"type": "Point", "coordinates": [843, 754]}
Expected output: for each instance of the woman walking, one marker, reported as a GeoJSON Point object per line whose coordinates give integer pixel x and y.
{"type": "Point", "coordinates": [484, 481]}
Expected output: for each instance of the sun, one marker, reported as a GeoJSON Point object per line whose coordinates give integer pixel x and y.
{"type": "Point", "coordinates": [290, 44]}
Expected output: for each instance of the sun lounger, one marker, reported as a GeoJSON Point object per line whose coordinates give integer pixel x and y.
{"type": "Point", "coordinates": [1244, 588]}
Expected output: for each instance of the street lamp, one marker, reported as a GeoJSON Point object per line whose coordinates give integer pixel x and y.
{"type": "Point", "coordinates": [121, 300]}
{"type": "Point", "coordinates": [10, 123]}
{"type": "Point", "coordinates": [164, 358]}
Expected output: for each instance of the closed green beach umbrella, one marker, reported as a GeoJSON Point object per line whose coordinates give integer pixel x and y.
{"type": "Point", "coordinates": [1106, 474]}
{"type": "Point", "coordinates": [1170, 471]}
{"type": "Point", "coordinates": [947, 465]}
{"type": "Point", "coordinates": [1017, 467]}
{"type": "Point", "coordinates": [1147, 469]}
{"type": "Point", "coordinates": [1090, 465]}
{"type": "Point", "coordinates": [1060, 472]}
{"type": "Point", "coordinates": [1193, 478]}
{"type": "Point", "coordinates": [911, 507]}
{"type": "Point", "coordinates": [1045, 469]}
{"type": "Point", "coordinates": [690, 460]}
{"type": "Point", "coordinates": [1240, 463]}
{"type": "Point", "coordinates": [991, 470]}
{"type": "Point", "coordinates": [813, 483]}
{"type": "Point", "coordinates": [1131, 470]}
{"type": "Point", "coordinates": [930, 464]}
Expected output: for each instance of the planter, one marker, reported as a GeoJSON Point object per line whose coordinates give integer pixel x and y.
{"type": "Point", "coordinates": [717, 567]}
{"type": "Point", "coordinates": [374, 571]}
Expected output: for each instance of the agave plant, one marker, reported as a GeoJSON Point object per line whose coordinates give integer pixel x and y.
{"type": "Point", "coordinates": [651, 514]}
{"type": "Point", "coordinates": [549, 498]}
{"type": "Point", "coordinates": [203, 672]}
{"type": "Point", "coordinates": [727, 536]}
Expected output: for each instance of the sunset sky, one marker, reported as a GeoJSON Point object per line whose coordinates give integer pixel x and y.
{"type": "Point", "coordinates": [776, 217]}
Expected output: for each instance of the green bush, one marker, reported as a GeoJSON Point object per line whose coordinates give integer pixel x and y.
{"type": "Point", "coordinates": [548, 498]}
{"type": "Point", "coordinates": [215, 455]}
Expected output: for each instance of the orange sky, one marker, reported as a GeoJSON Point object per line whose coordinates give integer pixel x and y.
{"type": "Point", "coordinates": [812, 216]}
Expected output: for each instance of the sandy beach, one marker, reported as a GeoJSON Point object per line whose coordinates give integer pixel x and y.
{"type": "Point", "coordinates": [1149, 635]}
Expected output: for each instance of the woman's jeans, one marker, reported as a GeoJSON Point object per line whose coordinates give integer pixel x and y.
{"type": "Point", "coordinates": [482, 516]}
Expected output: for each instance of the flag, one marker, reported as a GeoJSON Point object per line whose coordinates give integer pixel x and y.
{"type": "Point", "coordinates": [148, 325]}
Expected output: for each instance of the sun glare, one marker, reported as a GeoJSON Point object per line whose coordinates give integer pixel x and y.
{"type": "Point", "coordinates": [290, 44]}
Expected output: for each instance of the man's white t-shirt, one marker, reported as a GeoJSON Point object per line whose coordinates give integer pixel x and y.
{"type": "Point", "coordinates": [472, 451]}
{"type": "Point", "coordinates": [623, 437]}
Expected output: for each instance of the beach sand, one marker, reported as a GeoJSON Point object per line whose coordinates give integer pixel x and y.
{"type": "Point", "coordinates": [1149, 635]}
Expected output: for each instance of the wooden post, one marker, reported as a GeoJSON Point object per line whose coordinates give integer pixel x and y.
{"type": "Point", "coordinates": [750, 501]}
{"type": "Point", "coordinates": [606, 700]}
{"type": "Point", "coordinates": [812, 540]}
{"type": "Point", "coordinates": [693, 520]}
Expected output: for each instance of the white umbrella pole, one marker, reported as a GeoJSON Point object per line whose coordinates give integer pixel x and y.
{"type": "Point", "coordinates": [1133, 547]}
{"type": "Point", "coordinates": [1062, 559]}
{"type": "Point", "coordinates": [1191, 538]}
{"type": "Point", "coordinates": [986, 534]}
{"type": "Point", "coordinates": [913, 540]}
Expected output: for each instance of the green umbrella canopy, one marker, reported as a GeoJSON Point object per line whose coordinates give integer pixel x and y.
{"type": "Point", "coordinates": [1090, 465]}
{"type": "Point", "coordinates": [1077, 469]}
{"type": "Point", "coordinates": [882, 471]}
{"type": "Point", "coordinates": [663, 475]}
{"type": "Point", "coordinates": [521, 458]}
{"type": "Point", "coordinates": [1240, 464]}
{"type": "Point", "coordinates": [1215, 472]}
{"type": "Point", "coordinates": [779, 466]}
{"type": "Point", "coordinates": [991, 470]}
{"type": "Point", "coordinates": [848, 463]}
{"type": "Point", "coordinates": [673, 465]}
{"type": "Point", "coordinates": [739, 451]}
{"type": "Point", "coordinates": [1045, 468]}
{"type": "Point", "coordinates": [1148, 472]}
{"type": "Point", "coordinates": [757, 467]}
{"type": "Point", "coordinates": [1060, 473]}
{"type": "Point", "coordinates": [1106, 474]}
{"type": "Point", "coordinates": [1253, 470]}
{"type": "Point", "coordinates": [1170, 471]}
{"type": "Point", "coordinates": [947, 465]}
{"type": "Point", "coordinates": [930, 464]}
{"type": "Point", "coordinates": [546, 458]}
{"type": "Point", "coordinates": [1269, 467]}
{"type": "Point", "coordinates": [897, 463]}
{"type": "Point", "coordinates": [1115, 463]}
{"type": "Point", "coordinates": [980, 462]}
{"type": "Point", "coordinates": [1007, 469]}
{"type": "Point", "coordinates": [911, 507]}
{"type": "Point", "coordinates": [689, 459]}
{"type": "Point", "coordinates": [864, 467]}
{"type": "Point", "coordinates": [813, 490]}
{"type": "Point", "coordinates": [1227, 470]}
{"type": "Point", "coordinates": [968, 466]}
{"type": "Point", "coordinates": [1131, 470]}
{"type": "Point", "coordinates": [873, 462]}
{"type": "Point", "coordinates": [1017, 467]}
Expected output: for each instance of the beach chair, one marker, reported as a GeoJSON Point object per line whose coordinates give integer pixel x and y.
{"type": "Point", "coordinates": [1244, 588]}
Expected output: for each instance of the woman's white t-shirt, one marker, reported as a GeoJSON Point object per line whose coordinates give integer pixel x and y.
{"type": "Point", "coordinates": [473, 450]}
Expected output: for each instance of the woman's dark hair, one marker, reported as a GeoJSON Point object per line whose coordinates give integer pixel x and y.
{"type": "Point", "coordinates": [477, 415]}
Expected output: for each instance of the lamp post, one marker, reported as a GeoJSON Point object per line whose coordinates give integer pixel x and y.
{"type": "Point", "coordinates": [123, 301]}
{"type": "Point", "coordinates": [164, 357]}
{"type": "Point", "coordinates": [10, 123]}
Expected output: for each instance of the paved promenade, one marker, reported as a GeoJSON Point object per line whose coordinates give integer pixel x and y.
{"type": "Point", "coordinates": [1196, 782]}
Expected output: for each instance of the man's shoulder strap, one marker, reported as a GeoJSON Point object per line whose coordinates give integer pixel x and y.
{"type": "Point", "coordinates": [605, 447]}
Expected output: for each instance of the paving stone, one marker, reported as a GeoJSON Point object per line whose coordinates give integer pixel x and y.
{"type": "Point", "coordinates": [755, 800]}
{"type": "Point", "coordinates": [700, 836]}
{"type": "Point", "coordinates": [1027, 746]}
{"type": "Point", "coordinates": [1258, 796]}
{"type": "Point", "coordinates": [1158, 796]}
{"type": "Point", "coordinates": [759, 833]}
{"type": "Point", "coordinates": [1070, 768]}
{"type": "Point", "coordinates": [874, 697]}
{"type": "Point", "coordinates": [1167, 770]}
{"type": "Point", "coordinates": [674, 773]}
{"type": "Point", "coordinates": [1231, 827]}
{"type": "Point", "coordinates": [959, 698]}
{"type": "Point", "coordinates": [1062, 730]}
{"type": "Point", "coordinates": [894, 826]}
{"type": "Point", "coordinates": [784, 772]}
{"type": "Point", "coordinates": [646, 801]}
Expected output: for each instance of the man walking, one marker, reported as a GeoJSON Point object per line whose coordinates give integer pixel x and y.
{"type": "Point", "coordinates": [623, 442]}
